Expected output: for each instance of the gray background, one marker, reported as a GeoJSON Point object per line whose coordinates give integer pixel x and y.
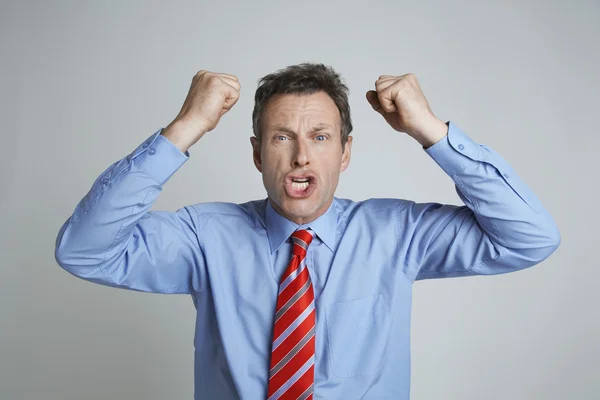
{"type": "Point", "coordinates": [83, 83]}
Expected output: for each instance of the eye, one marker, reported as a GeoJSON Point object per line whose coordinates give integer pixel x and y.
{"type": "Point", "coordinates": [281, 137]}
{"type": "Point", "coordinates": [321, 137]}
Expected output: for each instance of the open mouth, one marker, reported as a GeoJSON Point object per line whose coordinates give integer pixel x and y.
{"type": "Point", "coordinates": [300, 187]}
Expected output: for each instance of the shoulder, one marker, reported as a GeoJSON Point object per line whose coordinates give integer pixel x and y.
{"type": "Point", "coordinates": [349, 207]}
{"type": "Point", "coordinates": [376, 212]}
{"type": "Point", "coordinates": [250, 212]}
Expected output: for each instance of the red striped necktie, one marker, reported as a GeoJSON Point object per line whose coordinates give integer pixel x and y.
{"type": "Point", "coordinates": [292, 372]}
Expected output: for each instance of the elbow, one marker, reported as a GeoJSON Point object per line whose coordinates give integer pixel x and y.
{"type": "Point", "coordinates": [80, 265]}
{"type": "Point", "coordinates": [62, 257]}
{"type": "Point", "coordinates": [556, 238]}
{"type": "Point", "coordinates": [67, 254]}
{"type": "Point", "coordinates": [542, 247]}
{"type": "Point", "coordinates": [533, 249]}
{"type": "Point", "coordinates": [61, 251]}
{"type": "Point", "coordinates": [541, 240]}
{"type": "Point", "coordinates": [80, 260]}
{"type": "Point", "coordinates": [551, 241]}
{"type": "Point", "coordinates": [527, 249]}
{"type": "Point", "coordinates": [65, 258]}
{"type": "Point", "coordinates": [555, 242]}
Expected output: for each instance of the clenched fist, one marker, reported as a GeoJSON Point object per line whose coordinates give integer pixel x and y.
{"type": "Point", "coordinates": [401, 102]}
{"type": "Point", "coordinates": [211, 95]}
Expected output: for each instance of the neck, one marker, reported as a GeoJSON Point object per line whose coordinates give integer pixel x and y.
{"type": "Point", "coordinates": [299, 219]}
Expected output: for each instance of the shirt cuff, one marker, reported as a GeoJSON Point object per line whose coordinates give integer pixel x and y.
{"type": "Point", "coordinates": [159, 157]}
{"type": "Point", "coordinates": [449, 151]}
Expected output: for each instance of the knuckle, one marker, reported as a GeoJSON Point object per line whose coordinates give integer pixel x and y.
{"type": "Point", "coordinates": [213, 80]}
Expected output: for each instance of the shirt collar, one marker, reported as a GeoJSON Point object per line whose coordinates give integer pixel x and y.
{"type": "Point", "coordinates": [279, 228]}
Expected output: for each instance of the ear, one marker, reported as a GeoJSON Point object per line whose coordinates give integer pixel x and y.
{"type": "Point", "coordinates": [256, 153]}
{"type": "Point", "coordinates": [346, 154]}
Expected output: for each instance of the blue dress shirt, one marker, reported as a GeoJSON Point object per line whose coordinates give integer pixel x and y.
{"type": "Point", "coordinates": [362, 263]}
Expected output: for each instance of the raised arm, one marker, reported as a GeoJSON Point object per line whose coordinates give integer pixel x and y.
{"type": "Point", "coordinates": [502, 227]}
{"type": "Point", "coordinates": [113, 239]}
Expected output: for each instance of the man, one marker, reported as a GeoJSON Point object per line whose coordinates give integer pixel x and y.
{"type": "Point", "coordinates": [303, 295]}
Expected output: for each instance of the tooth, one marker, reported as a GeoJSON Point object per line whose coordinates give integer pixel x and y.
{"type": "Point", "coordinates": [300, 185]}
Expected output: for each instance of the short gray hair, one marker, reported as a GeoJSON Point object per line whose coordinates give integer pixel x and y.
{"type": "Point", "coordinates": [303, 79]}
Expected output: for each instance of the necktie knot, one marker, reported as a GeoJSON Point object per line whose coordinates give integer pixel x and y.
{"type": "Point", "coordinates": [300, 241]}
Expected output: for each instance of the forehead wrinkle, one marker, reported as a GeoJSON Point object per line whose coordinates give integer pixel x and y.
{"type": "Point", "coordinates": [315, 128]}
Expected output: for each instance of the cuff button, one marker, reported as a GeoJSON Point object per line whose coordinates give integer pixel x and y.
{"type": "Point", "coordinates": [460, 146]}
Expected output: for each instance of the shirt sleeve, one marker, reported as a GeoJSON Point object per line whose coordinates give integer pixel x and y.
{"type": "Point", "coordinates": [112, 239]}
{"type": "Point", "coordinates": [502, 227]}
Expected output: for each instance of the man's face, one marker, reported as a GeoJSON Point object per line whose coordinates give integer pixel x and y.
{"type": "Point", "coordinates": [300, 155]}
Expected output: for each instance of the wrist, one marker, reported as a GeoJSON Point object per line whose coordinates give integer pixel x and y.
{"type": "Point", "coordinates": [182, 134]}
{"type": "Point", "coordinates": [432, 133]}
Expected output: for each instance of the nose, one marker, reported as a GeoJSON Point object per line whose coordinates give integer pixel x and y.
{"type": "Point", "coordinates": [300, 158]}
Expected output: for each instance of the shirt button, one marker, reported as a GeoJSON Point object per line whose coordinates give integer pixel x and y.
{"type": "Point", "coordinates": [506, 175]}
{"type": "Point", "coordinates": [460, 146]}
{"type": "Point", "coordinates": [151, 151]}
{"type": "Point", "coordinates": [145, 145]}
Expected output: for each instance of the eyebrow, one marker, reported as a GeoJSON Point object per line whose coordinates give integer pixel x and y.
{"type": "Point", "coordinates": [315, 128]}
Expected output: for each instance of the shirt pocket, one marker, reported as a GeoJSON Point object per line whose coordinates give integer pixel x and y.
{"type": "Point", "coordinates": [357, 335]}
